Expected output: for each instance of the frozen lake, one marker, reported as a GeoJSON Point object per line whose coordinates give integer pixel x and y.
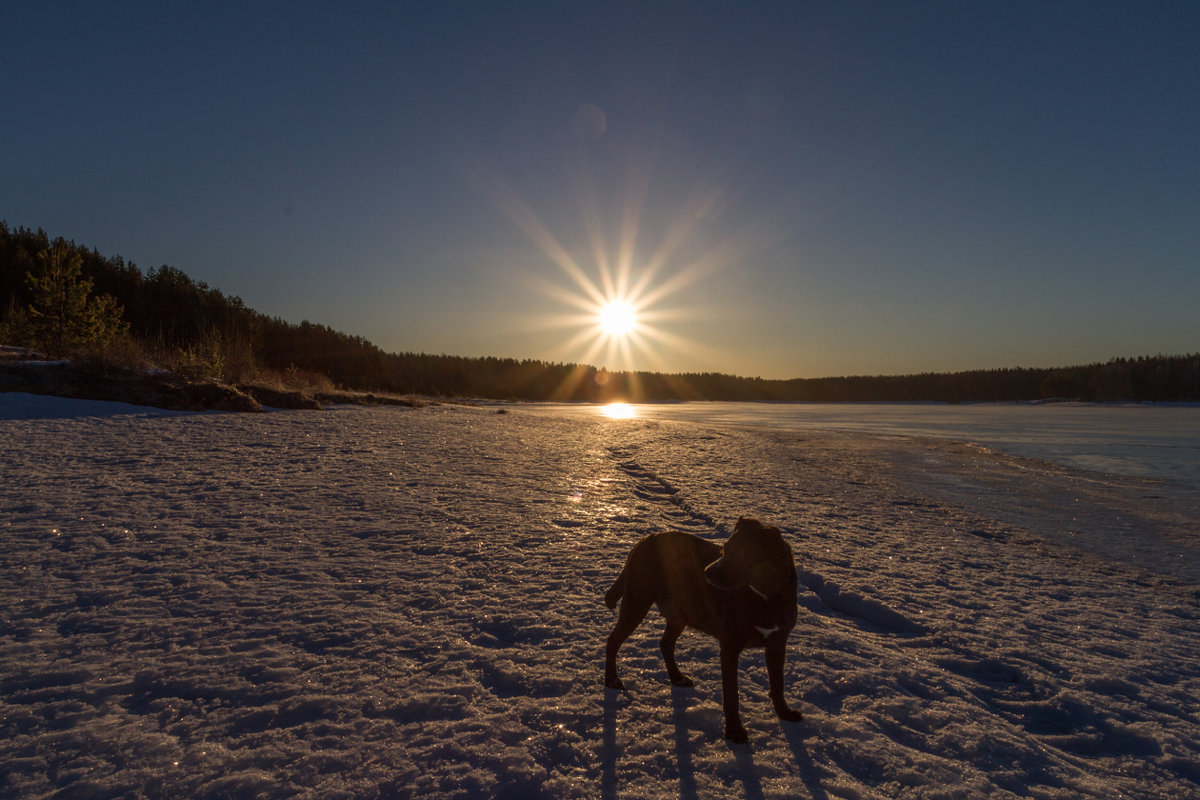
{"type": "Point", "coordinates": [1138, 440]}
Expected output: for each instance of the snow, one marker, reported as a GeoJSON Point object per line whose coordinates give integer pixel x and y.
{"type": "Point", "coordinates": [393, 602]}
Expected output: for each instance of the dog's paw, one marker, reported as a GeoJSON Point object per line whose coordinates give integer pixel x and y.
{"type": "Point", "coordinates": [614, 683]}
{"type": "Point", "coordinates": [684, 681]}
{"type": "Point", "coordinates": [736, 733]}
{"type": "Point", "coordinates": [788, 715]}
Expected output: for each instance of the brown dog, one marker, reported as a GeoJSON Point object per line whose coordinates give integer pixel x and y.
{"type": "Point", "coordinates": [744, 594]}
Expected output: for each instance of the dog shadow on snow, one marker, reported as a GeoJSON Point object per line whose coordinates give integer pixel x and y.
{"type": "Point", "coordinates": [745, 770]}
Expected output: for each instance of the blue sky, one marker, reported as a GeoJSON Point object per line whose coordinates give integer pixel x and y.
{"type": "Point", "coordinates": [783, 190]}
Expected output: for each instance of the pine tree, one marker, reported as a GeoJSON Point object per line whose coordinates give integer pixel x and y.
{"type": "Point", "coordinates": [62, 313]}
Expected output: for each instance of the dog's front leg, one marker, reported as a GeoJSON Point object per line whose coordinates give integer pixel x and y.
{"type": "Point", "coordinates": [667, 644]}
{"type": "Point", "coordinates": [775, 657]}
{"type": "Point", "coordinates": [734, 730]}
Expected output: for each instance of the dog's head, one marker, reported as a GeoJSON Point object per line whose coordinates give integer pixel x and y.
{"type": "Point", "coordinates": [755, 557]}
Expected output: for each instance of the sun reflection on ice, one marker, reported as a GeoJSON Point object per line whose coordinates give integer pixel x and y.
{"type": "Point", "coordinates": [619, 411]}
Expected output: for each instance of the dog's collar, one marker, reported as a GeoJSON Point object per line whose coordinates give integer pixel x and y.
{"type": "Point", "coordinates": [749, 586]}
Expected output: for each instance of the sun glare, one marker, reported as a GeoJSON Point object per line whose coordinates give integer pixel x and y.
{"type": "Point", "coordinates": [617, 318]}
{"type": "Point", "coordinates": [621, 298]}
{"type": "Point", "coordinates": [619, 411]}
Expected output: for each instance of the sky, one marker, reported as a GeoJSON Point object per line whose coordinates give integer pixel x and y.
{"type": "Point", "coordinates": [779, 190]}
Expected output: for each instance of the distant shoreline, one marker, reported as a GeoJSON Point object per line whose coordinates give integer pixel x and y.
{"type": "Point", "coordinates": [24, 371]}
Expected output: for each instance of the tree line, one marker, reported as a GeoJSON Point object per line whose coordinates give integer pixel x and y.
{"type": "Point", "coordinates": [58, 296]}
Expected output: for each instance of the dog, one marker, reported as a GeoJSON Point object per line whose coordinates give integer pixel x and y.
{"type": "Point", "coordinates": [744, 594]}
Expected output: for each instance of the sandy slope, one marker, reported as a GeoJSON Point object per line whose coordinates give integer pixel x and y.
{"type": "Point", "coordinates": [395, 602]}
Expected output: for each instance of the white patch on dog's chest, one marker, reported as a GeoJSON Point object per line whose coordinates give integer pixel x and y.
{"type": "Point", "coordinates": [765, 632]}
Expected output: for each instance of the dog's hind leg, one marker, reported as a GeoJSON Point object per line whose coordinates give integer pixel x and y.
{"type": "Point", "coordinates": [614, 594]}
{"type": "Point", "coordinates": [667, 645]}
{"type": "Point", "coordinates": [632, 614]}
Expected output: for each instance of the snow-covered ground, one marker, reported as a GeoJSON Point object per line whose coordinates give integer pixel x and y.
{"type": "Point", "coordinates": [398, 602]}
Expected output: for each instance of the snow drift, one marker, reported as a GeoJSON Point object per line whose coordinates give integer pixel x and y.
{"type": "Point", "coordinates": [396, 602]}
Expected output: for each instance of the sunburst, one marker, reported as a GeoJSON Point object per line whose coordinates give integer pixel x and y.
{"type": "Point", "coordinates": [618, 309]}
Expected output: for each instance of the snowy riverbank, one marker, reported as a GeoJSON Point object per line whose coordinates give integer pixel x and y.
{"type": "Point", "coordinates": [387, 602]}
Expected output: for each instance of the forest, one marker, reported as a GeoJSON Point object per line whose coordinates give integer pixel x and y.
{"type": "Point", "coordinates": [60, 297]}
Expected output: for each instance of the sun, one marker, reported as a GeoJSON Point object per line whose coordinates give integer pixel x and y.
{"type": "Point", "coordinates": [620, 306]}
{"type": "Point", "coordinates": [617, 318]}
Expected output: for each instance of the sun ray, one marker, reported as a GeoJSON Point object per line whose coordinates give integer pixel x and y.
{"type": "Point", "coordinates": [528, 221]}
{"type": "Point", "coordinates": [590, 212]}
{"type": "Point", "coordinates": [614, 299]}
{"type": "Point", "coordinates": [584, 304]}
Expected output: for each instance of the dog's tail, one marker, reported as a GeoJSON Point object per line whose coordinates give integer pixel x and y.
{"type": "Point", "coordinates": [614, 594]}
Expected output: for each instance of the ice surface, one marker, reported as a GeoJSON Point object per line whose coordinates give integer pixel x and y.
{"type": "Point", "coordinates": [1143, 440]}
{"type": "Point", "coordinates": [399, 602]}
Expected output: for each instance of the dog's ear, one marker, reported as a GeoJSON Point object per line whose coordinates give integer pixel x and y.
{"type": "Point", "coordinates": [786, 548]}
{"type": "Point", "coordinates": [745, 524]}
